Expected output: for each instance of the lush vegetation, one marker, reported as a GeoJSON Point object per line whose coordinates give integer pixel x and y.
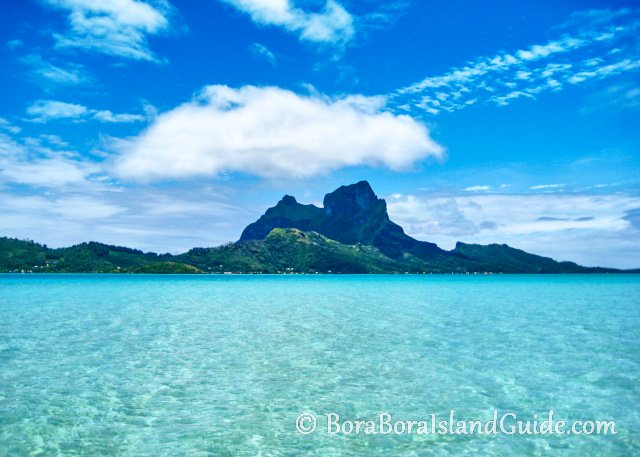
{"type": "Point", "coordinates": [292, 251]}
{"type": "Point", "coordinates": [503, 258]}
{"type": "Point", "coordinates": [352, 233]}
{"type": "Point", "coordinates": [28, 256]}
{"type": "Point", "coordinates": [282, 251]}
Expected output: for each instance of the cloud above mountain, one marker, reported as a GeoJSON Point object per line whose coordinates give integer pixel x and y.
{"type": "Point", "coordinates": [272, 132]}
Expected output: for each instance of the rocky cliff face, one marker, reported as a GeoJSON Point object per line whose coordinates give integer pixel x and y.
{"type": "Point", "coordinates": [351, 214]}
{"type": "Point", "coordinates": [348, 200]}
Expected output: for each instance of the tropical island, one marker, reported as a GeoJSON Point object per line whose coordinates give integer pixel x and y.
{"type": "Point", "coordinates": [351, 233]}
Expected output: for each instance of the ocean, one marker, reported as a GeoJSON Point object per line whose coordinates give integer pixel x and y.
{"type": "Point", "coordinates": [146, 365]}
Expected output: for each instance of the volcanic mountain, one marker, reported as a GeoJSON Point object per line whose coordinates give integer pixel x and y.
{"type": "Point", "coordinates": [351, 233]}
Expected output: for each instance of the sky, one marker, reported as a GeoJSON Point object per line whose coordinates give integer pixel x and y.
{"type": "Point", "coordinates": [168, 124]}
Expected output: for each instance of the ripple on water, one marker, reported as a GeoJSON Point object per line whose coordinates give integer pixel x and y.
{"type": "Point", "coordinates": [202, 366]}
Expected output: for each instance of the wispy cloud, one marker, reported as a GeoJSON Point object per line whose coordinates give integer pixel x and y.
{"type": "Point", "coordinates": [135, 218]}
{"type": "Point", "coordinates": [262, 52]}
{"type": "Point", "coordinates": [604, 43]}
{"type": "Point", "coordinates": [385, 15]}
{"type": "Point", "coordinates": [8, 126]}
{"type": "Point", "coordinates": [622, 96]}
{"type": "Point", "coordinates": [272, 132]}
{"type": "Point", "coordinates": [547, 186]}
{"type": "Point", "coordinates": [477, 188]}
{"type": "Point", "coordinates": [332, 25]}
{"type": "Point", "coordinates": [70, 74]}
{"type": "Point", "coordinates": [42, 162]}
{"type": "Point", "coordinates": [117, 28]}
{"type": "Point", "coordinates": [46, 110]}
{"type": "Point", "coordinates": [108, 116]}
{"type": "Point", "coordinates": [15, 44]}
{"type": "Point", "coordinates": [42, 111]}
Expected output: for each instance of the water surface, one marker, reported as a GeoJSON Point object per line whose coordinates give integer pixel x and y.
{"type": "Point", "coordinates": [108, 365]}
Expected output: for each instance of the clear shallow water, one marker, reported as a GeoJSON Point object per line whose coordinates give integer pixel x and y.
{"type": "Point", "coordinates": [196, 366]}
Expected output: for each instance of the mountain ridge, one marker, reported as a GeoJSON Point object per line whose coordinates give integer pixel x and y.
{"type": "Point", "coordinates": [351, 233]}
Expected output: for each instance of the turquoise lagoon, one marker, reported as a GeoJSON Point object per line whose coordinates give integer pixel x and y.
{"type": "Point", "coordinates": [119, 365]}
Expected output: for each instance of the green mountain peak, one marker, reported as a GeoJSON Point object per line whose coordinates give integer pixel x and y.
{"type": "Point", "coordinates": [351, 233]}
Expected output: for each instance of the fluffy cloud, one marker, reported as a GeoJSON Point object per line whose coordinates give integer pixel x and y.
{"type": "Point", "coordinates": [333, 25]}
{"type": "Point", "coordinates": [580, 227]}
{"type": "Point", "coordinates": [53, 195]}
{"type": "Point", "coordinates": [113, 27]}
{"type": "Point", "coordinates": [272, 132]}
{"type": "Point", "coordinates": [47, 110]}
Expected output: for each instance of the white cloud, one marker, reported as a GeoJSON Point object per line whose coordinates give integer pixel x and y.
{"type": "Point", "coordinates": [272, 132]}
{"type": "Point", "coordinates": [108, 116]}
{"type": "Point", "coordinates": [547, 186]}
{"type": "Point", "coordinates": [29, 163]}
{"type": "Point", "coordinates": [59, 75]}
{"type": "Point", "coordinates": [71, 75]}
{"type": "Point", "coordinates": [113, 27]}
{"type": "Point", "coordinates": [72, 206]}
{"type": "Point", "coordinates": [505, 99]}
{"type": "Point", "coordinates": [46, 110]}
{"type": "Point", "coordinates": [7, 126]}
{"type": "Point", "coordinates": [604, 71]}
{"type": "Point", "coordinates": [54, 140]}
{"type": "Point", "coordinates": [15, 44]}
{"type": "Point", "coordinates": [505, 77]}
{"type": "Point", "coordinates": [590, 229]}
{"type": "Point", "coordinates": [82, 207]}
{"type": "Point", "coordinates": [57, 197]}
{"type": "Point", "coordinates": [477, 188]}
{"type": "Point", "coordinates": [49, 172]}
{"type": "Point", "coordinates": [622, 96]}
{"type": "Point", "coordinates": [150, 219]}
{"type": "Point", "coordinates": [261, 51]}
{"type": "Point", "coordinates": [332, 25]}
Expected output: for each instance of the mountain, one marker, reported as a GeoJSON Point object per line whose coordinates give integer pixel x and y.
{"type": "Point", "coordinates": [353, 214]}
{"type": "Point", "coordinates": [351, 233]}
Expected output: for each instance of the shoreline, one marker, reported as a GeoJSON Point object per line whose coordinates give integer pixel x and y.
{"type": "Point", "coordinates": [98, 273]}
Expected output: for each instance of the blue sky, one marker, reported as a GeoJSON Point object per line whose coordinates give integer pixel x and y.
{"type": "Point", "coordinates": [164, 125]}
